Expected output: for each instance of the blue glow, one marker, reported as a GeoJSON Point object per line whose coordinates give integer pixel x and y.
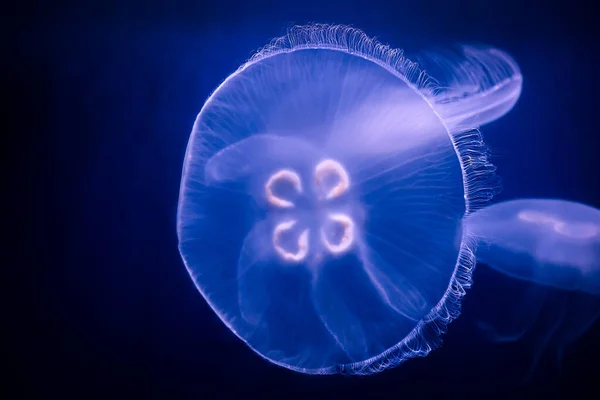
{"type": "Point", "coordinates": [322, 196]}
{"type": "Point", "coordinates": [478, 85]}
{"type": "Point", "coordinates": [550, 242]}
{"type": "Point", "coordinates": [550, 252]}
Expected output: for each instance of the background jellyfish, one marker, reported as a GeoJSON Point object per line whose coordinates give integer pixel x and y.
{"type": "Point", "coordinates": [478, 84]}
{"type": "Point", "coordinates": [550, 242]}
{"type": "Point", "coordinates": [549, 252]}
{"type": "Point", "coordinates": [321, 203]}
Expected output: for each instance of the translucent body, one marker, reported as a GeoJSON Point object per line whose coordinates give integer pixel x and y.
{"type": "Point", "coordinates": [321, 204]}
{"type": "Point", "coordinates": [477, 85]}
{"type": "Point", "coordinates": [550, 242]}
{"type": "Point", "coordinates": [548, 255]}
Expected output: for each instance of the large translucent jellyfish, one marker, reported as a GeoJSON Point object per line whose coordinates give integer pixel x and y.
{"type": "Point", "coordinates": [548, 255]}
{"type": "Point", "coordinates": [321, 203]}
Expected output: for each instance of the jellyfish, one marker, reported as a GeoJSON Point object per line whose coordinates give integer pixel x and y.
{"type": "Point", "coordinates": [321, 203]}
{"type": "Point", "coordinates": [549, 242]}
{"type": "Point", "coordinates": [478, 84]}
{"type": "Point", "coordinates": [545, 254]}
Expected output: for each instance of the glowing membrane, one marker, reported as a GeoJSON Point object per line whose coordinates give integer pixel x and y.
{"type": "Point", "coordinates": [321, 204]}
{"type": "Point", "coordinates": [478, 85]}
{"type": "Point", "coordinates": [550, 242]}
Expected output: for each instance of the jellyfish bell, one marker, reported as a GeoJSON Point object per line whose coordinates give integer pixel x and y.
{"type": "Point", "coordinates": [545, 254]}
{"type": "Point", "coordinates": [550, 242]}
{"type": "Point", "coordinates": [478, 84]}
{"type": "Point", "coordinates": [321, 202]}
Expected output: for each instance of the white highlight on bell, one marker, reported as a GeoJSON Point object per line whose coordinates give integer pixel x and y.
{"type": "Point", "coordinates": [577, 231]}
{"type": "Point", "coordinates": [347, 237]}
{"type": "Point", "coordinates": [537, 217]}
{"type": "Point", "coordinates": [574, 230]}
{"type": "Point", "coordinates": [285, 175]}
{"type": "Point", "coordinates": [328, 167]}
{"type": "Point", "coordinates": [302, 242]}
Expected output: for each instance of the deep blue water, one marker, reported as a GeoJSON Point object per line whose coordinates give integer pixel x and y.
{"type": "Point", "coordinates": [109, 93]}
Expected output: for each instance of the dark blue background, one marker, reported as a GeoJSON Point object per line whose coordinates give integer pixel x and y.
{"type": "Point", "coordinates": [105, 95]}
